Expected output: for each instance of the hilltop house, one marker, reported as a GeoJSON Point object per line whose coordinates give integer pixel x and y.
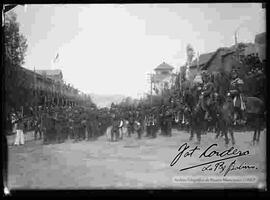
{"type": "Point", "coordinates": [163, 78]}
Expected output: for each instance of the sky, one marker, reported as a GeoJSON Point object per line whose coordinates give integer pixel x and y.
{"type": "Point", "coordinates": [110, 48]}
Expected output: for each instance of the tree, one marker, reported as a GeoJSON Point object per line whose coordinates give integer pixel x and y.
{"type": "Point", "coordinates": [15, 42]}
{"type": "Point", "coordinates": [16, 81]}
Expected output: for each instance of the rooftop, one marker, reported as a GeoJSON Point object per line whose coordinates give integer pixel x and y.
{"type": "Point", "coordinates": [203, 59]}
{"type": "Point", "coordinates": [51, 72]}
{"type": "Point", "coordinates": [260, 38]}
{"type": "Point", "coordinates": [163, 66]}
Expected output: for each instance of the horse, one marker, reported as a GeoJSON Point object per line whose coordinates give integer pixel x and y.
{"type": "Point", "coordinates": [112, 133]}
{"type": "Point", "coordinates": [130, 127]}
{"type": "Point", "coordinates": [225, 118]}
{"type": "Point", "coordinates": [255, 115]}
{"type": "Point", "coordinates": [138, 128]}
{"type": "Point", "coordinates": [194, 112]}
{"type": "Point", "coordinates": [123, 130]}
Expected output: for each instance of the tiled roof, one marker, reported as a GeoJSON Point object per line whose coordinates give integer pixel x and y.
{"type": "Point", "coordinates": [164, 66]}
{"type": "Point", "coordinates": [49, 72]}
{"type": "Point", "coordinates": [203, 59]}
{"type": "Point", "coordinates": [260, 38]}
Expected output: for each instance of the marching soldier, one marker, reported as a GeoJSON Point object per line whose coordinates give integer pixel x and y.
{"type": "Point", "coordinates": [168, 121]}
{"type": "Point", "coordinates": [131, 121]}
{"type": "Point", "coordinates": [77, 123]}
{"type": "Point", "coordinates": [162, 122]}
{"type": "Point", "coordinates": [152, 124]}
{"type": "Point", "coordinates": [148, 124]}
{"type": "Point", "coordinates": [58, 124]}
{"type": "Point", "coordinates": [37, 126]}
{"type": "Point", "coordinates": [71, 126]}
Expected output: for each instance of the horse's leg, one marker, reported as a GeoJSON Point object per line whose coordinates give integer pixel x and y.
{"type": "Point", "coordinates": [225, 132]}
{"type": "Point", "coordinates": [191, 134]}
{"type": "Point", "coordinates": [111, 135]}
{"type": "Point", "coordinates": [198, 136]}
{"type": "Point", "coordinates": [259, 130]}
{"type": "Point", "coordinates": [139, 134]}
{"type": "Point", "coordinates": [254, 136]}
{"type": "Point", "coordinates": [217, 134]}
{"type": "Point", "coordinates": [232, 136]}
{"type": "Point", "coordinates": [121, 133]}
{"type": "Point", "coordinates": [259, 135]}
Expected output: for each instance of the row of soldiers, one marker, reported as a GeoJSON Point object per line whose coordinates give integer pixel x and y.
{"type": "Point", "coordinates": [56, 124]}
{"type": "Point", "coordinates": [150, 119]}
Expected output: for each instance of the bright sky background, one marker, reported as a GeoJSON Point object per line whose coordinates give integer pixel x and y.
{"type": "Point", "coordinates": [109, 49]}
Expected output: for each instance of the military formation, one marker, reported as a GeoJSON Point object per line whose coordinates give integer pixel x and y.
{"type": "Point", "coordinates": [59, 123]}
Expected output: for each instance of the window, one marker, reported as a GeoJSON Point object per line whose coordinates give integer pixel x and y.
{"type": "Point", "coordinates": [165, 72]}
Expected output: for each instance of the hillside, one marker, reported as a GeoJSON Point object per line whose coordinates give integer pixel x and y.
{"type": "Point", "coordinates": [105, 100]}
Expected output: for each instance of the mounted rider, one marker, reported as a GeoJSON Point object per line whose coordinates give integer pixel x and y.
{"type": "Point", "coordinates": [236, 87]}
{"type": "Point", "coordinates": [115, 123]}
{"type": "Point", "coordinates": [207, 94]}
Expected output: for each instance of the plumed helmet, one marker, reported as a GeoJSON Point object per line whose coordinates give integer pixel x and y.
{"type": "Point", "coordinates": [205, 74]}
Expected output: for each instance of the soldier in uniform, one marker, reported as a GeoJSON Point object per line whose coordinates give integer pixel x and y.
{"type": "Point", "coordinates": [168, 121]}
{"type": "Point", "coordinates": [131, 121]}
{"type": "Point", "coordinates": [77, 123]}
{"type": "Point", "coordinates": [162, 122]}
{"type": "Point", "coordinates": [235, 92]}
{"type": "Point", "coordinates": [37, 126]}
{"type": "Point", "coordinates": [71, 126]}
{"type": "Point", "coordinates": [58, 124]}
{"type": "Point", "coordinates": [153, 124]}
{"type": "Point", "coordinates": [115, 126]}
{"type": "Point", "coordinates": [65, 127]}
{"type": "Point", "coordinates": [207, 94]}
{"type": "Point", "coordinates": [48, 126]}
{"type": "Point", "coordinates": [148, 123]}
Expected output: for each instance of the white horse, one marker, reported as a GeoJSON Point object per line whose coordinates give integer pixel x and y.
{"type": "Point", "coordinates": [113, 136]}
{"type": "Point", "coordinates": [109, 133]}
{"type": "Point", "coordinates": [123, 131]}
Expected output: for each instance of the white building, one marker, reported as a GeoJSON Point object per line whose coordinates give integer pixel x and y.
{"type": "Point", "coordinates": [163, 78]}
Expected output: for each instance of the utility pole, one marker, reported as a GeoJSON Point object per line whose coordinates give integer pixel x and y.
{"type": "Point", "coordinates": [150, 76]}
{"type": "Point", "coordinates": [235, 36]}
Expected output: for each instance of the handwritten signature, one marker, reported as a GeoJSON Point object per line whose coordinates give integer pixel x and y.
{"type": "Point", "coordinates": [218, 164]}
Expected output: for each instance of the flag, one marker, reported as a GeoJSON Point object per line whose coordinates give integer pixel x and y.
{"type": "Point", "coordinates": [198, 59]}
{"type": "Point", "coordinates": [56, 59]}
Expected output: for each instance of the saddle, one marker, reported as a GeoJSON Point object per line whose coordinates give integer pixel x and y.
{"type": "Point", "coordinates": [239, 102]}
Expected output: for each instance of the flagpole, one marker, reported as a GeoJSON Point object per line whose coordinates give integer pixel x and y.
{"type": "Point", "coordinates": [35, 99]}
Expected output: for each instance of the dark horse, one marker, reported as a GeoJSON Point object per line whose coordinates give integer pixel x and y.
{"type": "Point", "coordinates": [194, 113]}
{"type": "Point", "coordinates": [224, 106]}
{"type": "Point", "coordinates": [255, 115]}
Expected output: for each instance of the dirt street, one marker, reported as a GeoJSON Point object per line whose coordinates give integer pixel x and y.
{"type": "Point", "coordinates": [129, 163]}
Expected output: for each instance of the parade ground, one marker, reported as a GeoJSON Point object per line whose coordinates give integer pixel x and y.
{"type": "Point", "coordinates": [126, 164]}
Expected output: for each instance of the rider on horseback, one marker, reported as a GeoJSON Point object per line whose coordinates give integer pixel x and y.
{"type": "Point", "coordinates": [235, 92]}
{"type": "Point", "coordinates": [207, 94]}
